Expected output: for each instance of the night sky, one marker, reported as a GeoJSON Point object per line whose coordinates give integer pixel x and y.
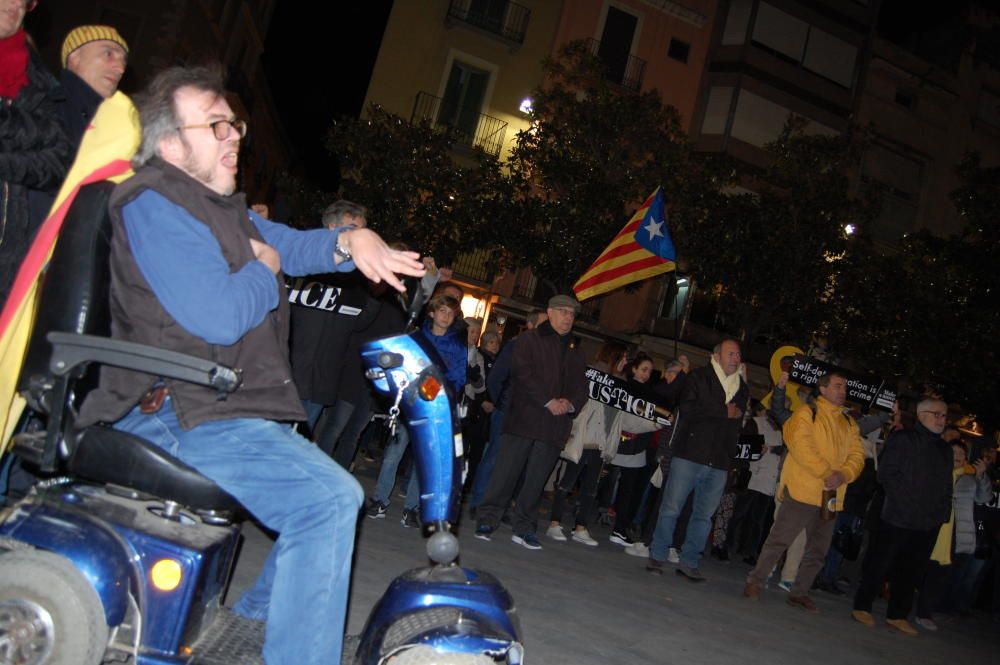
{"type": "Point", "coordinates": [334, 45]}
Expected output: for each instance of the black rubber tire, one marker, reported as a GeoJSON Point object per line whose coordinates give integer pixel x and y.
{"type": "Point", "coordinates": [80, 633]}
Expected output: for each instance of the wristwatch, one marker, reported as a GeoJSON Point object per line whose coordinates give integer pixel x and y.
{"type": "Point", "coordinates": [337, 249]}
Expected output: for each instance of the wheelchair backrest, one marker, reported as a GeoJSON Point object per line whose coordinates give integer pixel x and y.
{"type": "Point", "coordinates": [74, 294]}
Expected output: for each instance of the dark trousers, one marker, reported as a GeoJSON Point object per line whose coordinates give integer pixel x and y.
{"type": "Point", "coordinates": [932, 589]}
{"type": "Point", "coordinates": [747, 526]}
{"type": "Point", "coordinates": [631, 482]}
{"type": "Point", "coordinates": [899, 555]}
{"type": "Point", "coordinates": [475, 435]}
{"type": "Point", "coordinates": [793, 517]}
{"type": "Point", "coordinates": [588, 472]}
{"type": "Point", "coordinates": [536, 459]}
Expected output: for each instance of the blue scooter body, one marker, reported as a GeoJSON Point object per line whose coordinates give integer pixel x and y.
{"type": "Point", "coordinates": [113, 541]}
{"type": "Point", "coordinates": [445, 607]}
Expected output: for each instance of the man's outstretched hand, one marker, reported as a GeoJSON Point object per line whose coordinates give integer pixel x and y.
{"type": "Point", "coordinates": [377, 261]}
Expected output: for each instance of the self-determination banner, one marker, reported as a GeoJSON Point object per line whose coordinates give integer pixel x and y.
{"type": "Point", "coordinates": [635, 399]}
{"type": "Point", "coordinates": [866, 390]}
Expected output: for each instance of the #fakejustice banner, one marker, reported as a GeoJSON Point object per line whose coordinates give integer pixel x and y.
{"type": "Point", "coordinates": [637, 399]}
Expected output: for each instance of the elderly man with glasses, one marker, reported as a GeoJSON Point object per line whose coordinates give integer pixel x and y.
{"type": "Point", "coordinates": [192, 270]}
{"type": "Point", "coordinates": [915, 471]}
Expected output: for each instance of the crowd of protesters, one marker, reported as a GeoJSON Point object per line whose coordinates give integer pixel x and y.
{"type": "Point", "coordinates": [913, 509]}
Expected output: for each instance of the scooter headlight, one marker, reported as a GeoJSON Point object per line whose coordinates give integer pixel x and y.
{"type": "Point", "coordinates": [166, 574]}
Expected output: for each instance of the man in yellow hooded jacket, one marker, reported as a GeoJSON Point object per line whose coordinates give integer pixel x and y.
{"type": "Point", "coordinates": [824, 454]}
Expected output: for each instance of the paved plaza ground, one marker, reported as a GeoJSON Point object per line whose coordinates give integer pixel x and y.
{"type": "Point", "coordinates": [598, 606]}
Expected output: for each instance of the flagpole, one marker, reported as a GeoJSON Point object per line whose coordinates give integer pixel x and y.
{"type": "Point", "coordinates": [687, 303]}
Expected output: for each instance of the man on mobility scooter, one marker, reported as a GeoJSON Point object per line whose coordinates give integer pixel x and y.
{"type": "Point", "coordinates": [127, 557]}
{"type": "Point", "coordinates": [192, 272]}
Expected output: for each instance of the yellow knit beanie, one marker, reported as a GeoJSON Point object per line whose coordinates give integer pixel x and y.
{"type": "Point", "coordinates": [85, 34]}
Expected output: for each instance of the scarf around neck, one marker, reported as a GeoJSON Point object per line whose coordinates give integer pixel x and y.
{"type": "Point", "coordinates": [13, 64]}
{"type": "Point", "coordinates": [730, 384]}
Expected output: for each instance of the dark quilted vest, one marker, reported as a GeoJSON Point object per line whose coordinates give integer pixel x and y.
{"type": "Point", "coordinates": [137, 316]}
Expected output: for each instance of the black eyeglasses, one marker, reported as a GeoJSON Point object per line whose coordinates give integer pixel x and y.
{"type": "Point", "coordinates": [221, 128]}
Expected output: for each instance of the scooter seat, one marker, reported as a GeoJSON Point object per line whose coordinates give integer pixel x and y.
{"type": "Point", "coordinates": [108, 455]}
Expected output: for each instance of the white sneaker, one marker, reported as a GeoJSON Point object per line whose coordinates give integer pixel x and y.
{"type": "Point", "coordinates": [637, 549]}
{"type": "Point", "coordinates": [583, 536]}
{"type": "Point", "coordinates": [673, 556]}
{"type": "Point", "coordinates": [926, 624]}
{"type": "Point", "coordinates": [556, 533]}
{"type": "Point", "coordinates": [786, 585]}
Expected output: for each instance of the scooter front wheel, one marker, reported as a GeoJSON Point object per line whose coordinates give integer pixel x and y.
{"type": "Point", "coordinates": [49, 613]}
{"type": "Point", "coordinates": [426, 655]}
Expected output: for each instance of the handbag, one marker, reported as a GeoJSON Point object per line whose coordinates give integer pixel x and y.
{"type": "Point", "coordinates": [847, 541]}
{"type": "Point", "coordinates": [739, 478]}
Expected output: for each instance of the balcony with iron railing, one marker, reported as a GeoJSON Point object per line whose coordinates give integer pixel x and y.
{"type": "Point", "coordinates": [473, 266]}
{"type": "Point", "coordinates": [501, 18]}
{"type": "Point", "coordinates": [621, 69]}
{"type": "Point", "coordinates": [468, 127]}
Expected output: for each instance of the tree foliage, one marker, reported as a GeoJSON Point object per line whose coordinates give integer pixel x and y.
{"type": "Point", "coordinates": [592, 154]}
{"type": "Point", "coordinates": [770, 257]}
{"type": "Point", "coordinates": [414, 189]}
{"type": "Point", "coordinates": [926, 313]}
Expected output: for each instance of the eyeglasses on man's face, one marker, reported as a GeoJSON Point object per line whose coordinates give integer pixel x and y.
{"type": "Point", "coordinates": [222, 128]}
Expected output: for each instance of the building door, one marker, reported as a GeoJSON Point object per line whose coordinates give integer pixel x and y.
{"type": "Point", "coordinates": [463, 99]}
{"type": "Point", "coordinates": [616, 43]}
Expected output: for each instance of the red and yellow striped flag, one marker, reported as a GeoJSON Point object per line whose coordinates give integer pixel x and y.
{"type": "Point", "coordinates": [642, 249]}
{"type": "Point", "coordinates": [108, 145]}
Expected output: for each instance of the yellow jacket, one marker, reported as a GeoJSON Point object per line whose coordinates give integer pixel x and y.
{"type": "Point", "coordinates": [818, 446]}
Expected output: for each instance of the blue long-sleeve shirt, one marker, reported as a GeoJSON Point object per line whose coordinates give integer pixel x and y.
{"type": "Point", "coordinates": [183, 264]}
{"type": "Point", "coordinates": [452, 349]}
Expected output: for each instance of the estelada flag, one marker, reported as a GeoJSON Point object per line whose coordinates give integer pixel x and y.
{"type": "Point", "coordinates": [107, 146]}
{"type": "Point", "coordinates": [642, 249]}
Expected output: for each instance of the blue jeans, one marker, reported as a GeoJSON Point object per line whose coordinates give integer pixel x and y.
{"type": "Point", "coordinates": [488, 460]}
{"type": "Point", "coordinates": [387, 474]}
{"type": "Point", "coordinates": [292, 488]}
{"type": "Point", "coordinates": [707, 484]}
{"type": "Point", "coordinates": [313, 412]}
{"type": "Point", "coordinates": [962, 579]}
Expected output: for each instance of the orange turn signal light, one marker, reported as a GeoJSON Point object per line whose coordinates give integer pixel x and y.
{"type": "Point", "coordinates": [430, 388]}
{"type": "Point", "coordinates": [166, 574]}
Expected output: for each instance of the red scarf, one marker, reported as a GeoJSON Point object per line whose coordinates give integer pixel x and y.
{"type": "Point", "coordinates": [13, 64]}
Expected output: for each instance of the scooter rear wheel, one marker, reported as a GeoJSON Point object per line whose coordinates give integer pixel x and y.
{"type": "Point", "coordinates": [49, 613]}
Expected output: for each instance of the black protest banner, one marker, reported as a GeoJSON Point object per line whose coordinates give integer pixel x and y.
{"type": "Point", "coordinates": [637, 399]}
{"type": "Point", "coordinates": [750, 447]}
{"type": "Point", "coordinates": [868, 391]}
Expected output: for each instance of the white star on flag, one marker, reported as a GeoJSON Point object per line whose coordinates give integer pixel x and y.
{"type": "Point", "coordinates": [653, 229]}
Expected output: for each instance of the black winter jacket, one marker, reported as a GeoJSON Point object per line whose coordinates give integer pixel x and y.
{"type": "Point", "coordinates": [915, 473]}
{"type": "Point", "coordinates": [544, 368]}
{"type": "Point", "coordinates": [34, 154]}
{"type": "Point", "coordinates": [702, 432]}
